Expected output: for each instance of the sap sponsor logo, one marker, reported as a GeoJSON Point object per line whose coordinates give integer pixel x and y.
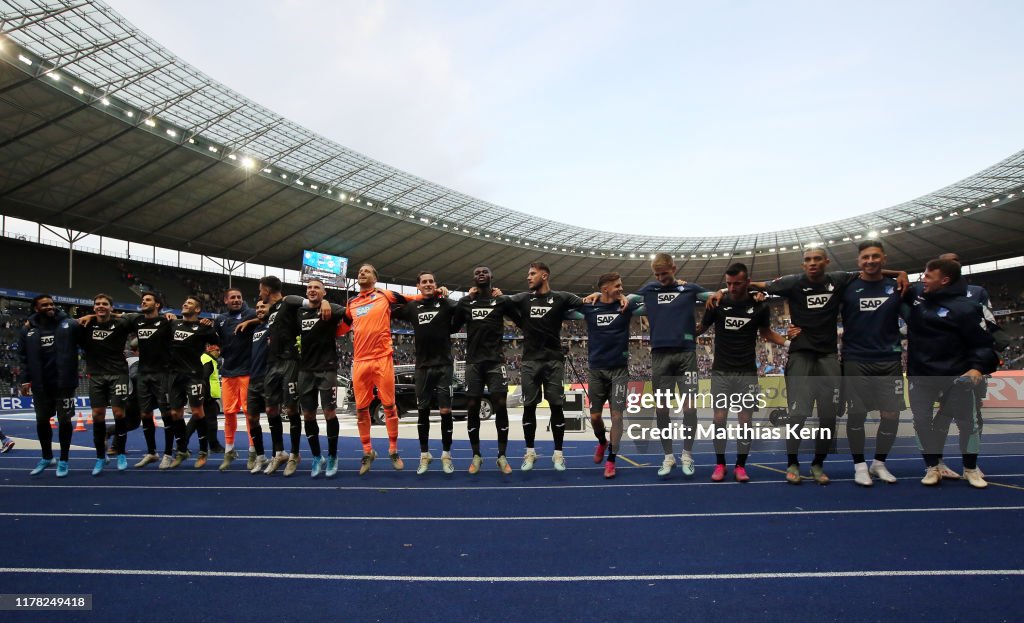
{"type": "Point", "coordinates": [46, 341]}
{"type": "Point", "coordinates": [145, 334]}
{"type": "Point", "coordinates": [817, 301]}
{"type": "Point", "coordinates": [871, 304]}
{"type": "Point", "coordinates": [363, 310]}
{"type": "Point", "coordinates": [603, 320]}
{"type": "Point", "coordinates": [539, 312]}
{"type": "Point", "coordinates": [735, 324]}
{"type": "Point", "coordinates": [667, 297]}
{"type": "Point", "coordinates": [181, 336]}
{"type": "Point", "coordinates": [101, 334]}
{"type": "Point", "coordinates": [256, 337]}
{"type": "Point", "coordinates": [308, 323]}
{"type": "Point", "coordinates": [426, 317]}
{"type": "Point", "coordinates": [480, 314]}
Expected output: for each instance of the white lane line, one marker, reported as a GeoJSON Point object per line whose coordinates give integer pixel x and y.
{"type": "Point", "coordinates": [780, 575]}
{"type": "Point", "coordinates": [328, 486]}
{"type": "Point", "coordinates": [759, 513]}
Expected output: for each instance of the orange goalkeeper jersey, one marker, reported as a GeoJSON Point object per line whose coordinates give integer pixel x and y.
{"type": "Point", "coordinates": [368, 316]}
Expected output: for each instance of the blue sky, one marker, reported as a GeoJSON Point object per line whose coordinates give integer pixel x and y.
{"type": "Point", "coordinates": [678, 118]}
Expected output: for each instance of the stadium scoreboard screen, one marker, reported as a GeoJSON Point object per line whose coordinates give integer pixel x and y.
{"type": "Point", "coordinates": [330, 269]}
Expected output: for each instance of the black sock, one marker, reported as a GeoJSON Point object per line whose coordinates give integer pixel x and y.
{"type": "Point", "coordinates": [423, 428]}
{"type": "Point", "coordinates": [276, 433]}
{"type": "Point", "coordinates": [333, 432]}
{"type": "Point", "coordinates": [99, 439]}
{"type": "Point", "coordinates": [256, 432]}
{"type": "Point", "coordinates": [313, 436]}
{"type": "Point", "coordinates": [45, 435]}
{"type": "Point", "coordinates": [204, 441]}
{"type": "Point", "coordinates": [180, 434]}
{"type": "Point", "coordinates": [149, 432]}
{"type": "Point", "coordinates": [886, 437]}
{"type": "Point", "coordinates": [447, 430]}
{"type": "Point", "coordinates": [530, 424]}
{"type": "Point", "coordinates": [663, 420]}
{"type": "Point", "coordinates": [558, 425]}
{"type": "Point", "coordinates": [719, 444]}
{"type": "Point", "coordinates": [190, 428]}
{"type": "Point", "coordinates": [599, 431]}
{"type": "Point", "coordinates": [501, 422]}
{"type": "Point", "coordinates": [121, 430]}
{"type": "Point", "coordinates": [295, 432]}
{"type": "Point", "coordinates": [212, 426]}
{"type": "Point", "coordinates": [855, 435]}
{"type": "Point", "coordinates": [64, 432]}
{"type": "Point", "coordinates": [169, 435]}
{"type": "Point", "coordinates": [819, 460]}
{"type": "Point", "coordinates": [970, 461]}
{"type": "Point", "coordinates": [611, 454]}
{"type": "Point", "coordinates": [743, 445]}
{"type": "Point", "coordinates": [792, 459]}
{"type": "Point", "coordinates": [689, 430]}
{"type": "Point", "coordinates": [473, 425]}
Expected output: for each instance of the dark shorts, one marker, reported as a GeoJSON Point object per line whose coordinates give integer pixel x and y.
{"type": "Point", "coordinates": [57, 403]}
{"type": "Point", "coordinates": [185, 389]}
{"type": "Point", "coordinates": [108, 390]}
{"type": "Point", "coordinates": [318, 385]}
{"type": "Point", "coordinates": [493, 374]}
{"type": "Point", "coordinates": [281, 385]}
{"type": "Point", "coordinates": [813, 378]}
{"type": "Point", "coordinates": [608, 386]}
{"type": "Point", "coordinates": [255, 402]}
{"type": "Point", "coordinates": [434, 382]}
{"type": "Point", "coordinates": [672, 370]}
{"type": "Point", "coordinates": [738, 390]}
{"type": "Point", "coordinates": [873, 386]}
{"type": "Point", "coordinates": [152, 390]}
{"type": "Point", "coordinates": [548, 375]}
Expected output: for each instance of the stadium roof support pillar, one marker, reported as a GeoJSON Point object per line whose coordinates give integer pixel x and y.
{"type": "Point", "coordinates": [228, 266]}
{"type": "Point", "coordinates": [69, 236]}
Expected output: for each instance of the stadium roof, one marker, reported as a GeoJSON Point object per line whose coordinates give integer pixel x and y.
{"type": "Point", "coordinates": [104, 131]}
